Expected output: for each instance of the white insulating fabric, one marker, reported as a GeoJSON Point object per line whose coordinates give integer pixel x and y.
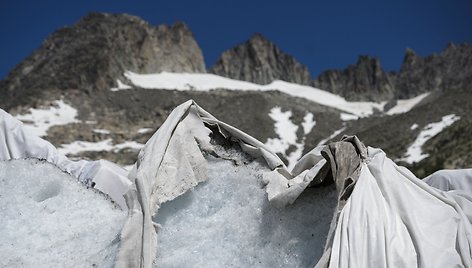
{"type": "Point", "coordinates": [17, 143]}
{"type": "Point", "coordinates": [393, 219]}
{"type": "Point", "coordinates": [170, 164]}
{"type": "Point", "coordinates": [451, 180]}
{"type": "Point", "coordinates": [390, 219]}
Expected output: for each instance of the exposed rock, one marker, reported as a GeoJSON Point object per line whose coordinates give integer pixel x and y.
{"type": "Point", "coordinates": [452, 68]}
{"type": "Point", "coordinates": [364, 81]}
{"type": "Point", "coordinates": [260, 61]}
{"type": "Point", "coordinates": [94, 52]}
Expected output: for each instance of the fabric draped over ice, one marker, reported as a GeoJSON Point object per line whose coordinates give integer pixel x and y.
{"type": "Point", "coordinates": [17, 143]}
{"type": "Point", "coordinates": [450, 180]}
{"type": "Point", "coordinates": [170, 164]}
{"type": "Point", "coordinates": [393, 219]}
{"type": "Point", "coordinates": [385, 217]}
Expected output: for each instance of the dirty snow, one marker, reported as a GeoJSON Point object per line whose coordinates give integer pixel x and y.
{"type": "Point", "coordinates": [38, 121]}
{"type": "Point", "coordinates": [206, 82]}
{"type": "Point", "coordinates": [228, 222]}
{"type": "Point", "coordinates": [414, 153]}
{"type": "Point", "coordinates": [404, 106]}
{"type": "Point", "coordinates": [48, 219]}
{"type": "Point", "coordinates": [105, 145]}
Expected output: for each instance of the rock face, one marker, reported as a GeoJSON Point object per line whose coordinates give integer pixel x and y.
{"type": "Point", "coordinates": [366, 80]}
{"type": "Point", "coordinates": [451, 69]}
{"type": "Point", "coordinates": [260, 61]}
{"type": "Point", "coordinates": [96, 51]}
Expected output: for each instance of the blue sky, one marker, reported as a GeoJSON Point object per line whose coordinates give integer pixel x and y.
{"type": "Point", "coordinates": [320, 34]}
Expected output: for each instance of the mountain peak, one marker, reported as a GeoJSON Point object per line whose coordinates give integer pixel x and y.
{"type": "Point", "coordinates": [366, 80]}
{"type": "Point", "coordinates": [258, 37]}
{"type": "Point", "coordinates": [98, 49]}
{"type": "Point", "coordinates": [260, 61]}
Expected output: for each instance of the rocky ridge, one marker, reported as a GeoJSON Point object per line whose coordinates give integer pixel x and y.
{"type": "Point", "coordinates": [93, 53]}
{"type": "Point", "coordinates": [366, 80]}
{"type": "Point", "coordinates": [260, 61]}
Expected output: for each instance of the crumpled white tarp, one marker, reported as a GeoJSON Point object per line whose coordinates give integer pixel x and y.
{"type": "Point", "coordinates": [17, 143]}
{"type": "Point", "coordinates": [451, 180]}
{"type": "Point", "coordinates": [389, 218]}
{"type": "Point", "coordinates": [393, 219]}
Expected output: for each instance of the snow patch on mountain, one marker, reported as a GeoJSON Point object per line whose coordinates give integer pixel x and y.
{"type": "Point", "coordinates": [308, 123]}
{"type": "Point", "coordinates": [286, 131]}
{"type": "Point", "coordinates": [414, 153]}
{"type": "Point", "coordinates": [77, 147]}
{"type": "Point", "coordinates": [145, 130]}
{"type": "Point", "coordinates": [206, 82]}
{"type": "Point", "coordinates": [404, 106]}
{"type": "Point", "coordinates": [121, 86]}
{"type": "Point", "coordinates": [348, 117]}
{"type": "Point", "coordinates": [101, 131]}
{"type": "Point", "coordinates": [38, 121]}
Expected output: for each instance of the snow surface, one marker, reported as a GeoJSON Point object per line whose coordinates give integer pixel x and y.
{"type": "Point", "coordinates": [38, 121]}
{"type": "Point", "coordinates": [105, 145]}
{"type": "Point", "coordinates": [206, 82]}
{"type": "Point", "coordinates": [414, 126]}
{"type": "Point", "coordinates": [121, 86]}
{"type": "Point", "coordinates": [286, 131]}
{"type": "Point", "coordinates": [404, 106]}
{"type": "Point", "coordinates": [414, 153]}
{"type": "Point", "coordinates": [48, 219]}
{"type": "Point", "coordinates": [227, 221]}
{"type": "Point", "coordinates": [308, 123]}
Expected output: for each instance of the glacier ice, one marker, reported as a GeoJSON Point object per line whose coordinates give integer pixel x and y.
{"type": "Point", "coordinates": [228, 221]}
{"type": "Point", "coordinates": [49, 219]}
